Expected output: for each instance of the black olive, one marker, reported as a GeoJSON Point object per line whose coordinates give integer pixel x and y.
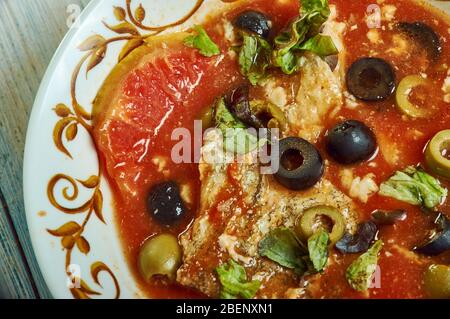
{"type": "Point", "coordinates": [424, 36]}
{"type": "Point", "coordinates": [165, 204]}
{"type": "Point", "coordinates": [371, 79]}
{"type": "Point", "coordinates": [301, 165]}
{"type": "Point", "coordinates": [388, 218]}
{"type": "Point", "coordinates": [351, 142]}
{"type": "Point", "coordinates": [440, 242]}
{"type": "Point", "coordinates": [360, 242]}
{"type": "Point", "coordinates": [253, 21]}
{"type": "Point", "coordinates": [332, 61]}
{"type": "Point", "coordinates": [239, 105]}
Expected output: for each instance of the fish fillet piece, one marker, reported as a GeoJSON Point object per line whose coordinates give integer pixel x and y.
{"type": "Point", "coordinates": [239, 207]}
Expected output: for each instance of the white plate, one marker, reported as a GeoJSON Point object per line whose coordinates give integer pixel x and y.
{"type": "Point", "coordinates": [43, 160]}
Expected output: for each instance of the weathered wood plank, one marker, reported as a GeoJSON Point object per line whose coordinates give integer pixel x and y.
{"type": "Point", "coordinates": [30, 32]}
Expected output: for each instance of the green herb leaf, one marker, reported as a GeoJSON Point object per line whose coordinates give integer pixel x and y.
{"type": "Point", "coordinates": [202, 42]}
{"type": "Point", "coordinates": [317, 12]}
{"type": "Point", "coordinates": [318, 249]}
{"type": "Point", "coordinates": [415, 187]}
{"type": "Point", "coordinates": [322, 45]}
{"type": "Point", "coordinates": [282, 247]}
{"type": "Point", "coordinates": [359, 274]}
{"type": "Point", "coordinates": [237, 139]}
{"type": "Point", "coordinates": [254, 58]}
{"type": "Point", "coordinates": [234, 282]}
{"type": "Point", "coordinates": [303, 35]}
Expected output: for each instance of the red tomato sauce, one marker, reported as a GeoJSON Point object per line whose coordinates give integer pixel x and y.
{"type": "Point", "coordinates": [400, 278]}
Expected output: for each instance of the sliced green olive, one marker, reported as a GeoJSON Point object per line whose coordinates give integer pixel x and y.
{"type": "Point", "coordinates": [207, 118]}
{"type": "Point", "coordinates": [402, 96]}
{"type": "Point", "coordinates": [437, 281]}
{"type": "Point", "coordinates": [270, 113]}
{"type": "Point", "coordinates": [309, 222]}
{"type": "Point", "coordinates": [435, 154]}
{"type": "Point", "coordinates": [160, 255]}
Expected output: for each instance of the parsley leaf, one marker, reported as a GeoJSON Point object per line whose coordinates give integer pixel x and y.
{"type": "Point", "coordinates": [202, 42]}
{"type": "Point", "coordinates": [303, 35]}
{"type": "Point", "coordinates": [415, 187]}
{"type": "Point", "coordinates": [254, 57]}
{"type": "Point", "coordinates": [234, 282]}
{"type": "Point", "coordinates": [359, 274]}
{"type": "Point", "coordinates": [282, 247]}
{"type": "Point", "coordinates": [237, 138]}
{"type": "Point", "coordinates": [318, 249]}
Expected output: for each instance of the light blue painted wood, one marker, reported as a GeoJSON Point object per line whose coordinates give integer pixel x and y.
{"type": "Point", "coordinates": [30, 32]}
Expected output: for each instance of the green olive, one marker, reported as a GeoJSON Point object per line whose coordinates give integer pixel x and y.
{"type": "Point", "coordinates": [435, 156]}
{"type": "Point", "coordinates": [402, 96]}
{"type": "Point", "coordinates": [160, 255]}
{"type": "Point", "coordinates": [273, 114]}
{"type": "Point", "coordinates": [309, 222]}
{"type": "Point", "coordinates": [437, 281]}
{"type": "Point", "coordinates": [207, 118]}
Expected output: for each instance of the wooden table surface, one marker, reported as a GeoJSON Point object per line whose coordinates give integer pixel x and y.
{"type": "Point", "coordinates": [30, 31]}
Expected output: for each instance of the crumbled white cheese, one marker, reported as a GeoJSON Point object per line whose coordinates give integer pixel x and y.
{"type": "Point", "coordinates": [354, 27]}
{"type": "Point", "coordinates": [346, 178]}
{"type": "Point", "coordinates": [232, 54]}
{"type": "Point", "coordinates": [161, 164]}
{"type": "Point", "coordinates": [228, 243]}
{"type": "Point", "coordinates": [388, 12]}
{"type": "Point", "coordinates": [446, 88]}
{"type": "Point", "coordinates": [228, 30]}
{"type": "Point", "coordinates": [186, 193]}
{"type": "Point", "coordinates": [400, 46]}
{"type": "Point", "coordinates": [276, 94]}
{"type": "Point", "coordinates": [335, 29]}
{"type": "Point", "coordinates": [359, 188]}
{"type": "Point", "coordinates": [389, 149]}
{"type": "Point", "coordinates": [374, 36]}
{"type": "Point", "coordinates": [372, 164]}
{"type": "Point", "coordinates": [350, 101]}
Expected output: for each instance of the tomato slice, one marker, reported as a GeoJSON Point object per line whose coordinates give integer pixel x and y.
{"type": "Point", "coordinates": [157, 88]}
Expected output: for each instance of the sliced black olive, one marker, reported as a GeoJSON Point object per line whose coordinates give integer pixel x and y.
{"type": "Point", "coordinates": [424, 35]}
{"type": "Point", "coordinates": [301, 165]}
{"type": "Point", "coordinates": [388, 218]}
{"type": "Point", "coordinates": [239, 105]}
{"type": "Point", "coordinates": [351, 142]}
{"type": "Point", "coordinates": [360, 242]}
{"type": "Point", "coordinates": [371, 79]}
{"type": "Point", "coordinates": [253, 21]}
{"type": "Point", "coordinates": [165, 204]}
{"type": "Point", "coordinates": [332, 61]}
{"type": "Point", "coordinates": [440, 242]}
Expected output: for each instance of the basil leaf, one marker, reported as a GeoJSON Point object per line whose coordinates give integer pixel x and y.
{"type": "Point", "coordinates": [415, 187]}
{"type": "Point", "coordinates": [317, 11]}
{"type": "Point", "coordinates": [318, 249]}
{"type": "Point", "coordinates": [237, 138]}
{"type": "Point", "coordinates": [202, 42]}
{"type": "Point", "coordinates": [303, 35]}
{"type": "Point", "coordinates": [359, 274]}
{"type": "Point", "coordinates": [322, 45]}
{"type": "Point", "coordinates": [234, 281]}
{"type": "Point", "coordinates": [282, 247]}
{"type": "Point", "coordinates": [254, 58]}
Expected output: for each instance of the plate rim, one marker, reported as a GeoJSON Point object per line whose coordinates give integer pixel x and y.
{"type": "Point", "coordinates": [38, 101]}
